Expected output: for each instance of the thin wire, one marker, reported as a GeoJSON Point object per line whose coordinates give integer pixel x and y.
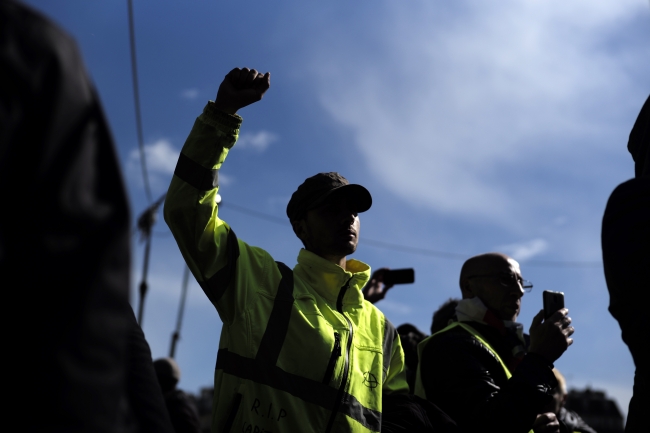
{"type": "Point", "coordinates": [416, 250]}
{"type": "Point", "coordinates": [255, 213]}
{"type": "Point", "coordinates": [136, 97]}
{"type": "Point", "coordinates": [176, 335]}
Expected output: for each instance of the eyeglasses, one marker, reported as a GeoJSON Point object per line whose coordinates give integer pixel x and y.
{"type": "Point", "coordinates": [509, 280]}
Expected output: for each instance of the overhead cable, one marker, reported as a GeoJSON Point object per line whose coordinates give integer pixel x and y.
{"type": "Point", "coordinates": [136, 97]}
{"type": "Point", "coordinates": [418, 250]}
{"type": "Point", "coordinates": [146, 222]}
{"type": "Point", "coordinates": [179, 317]}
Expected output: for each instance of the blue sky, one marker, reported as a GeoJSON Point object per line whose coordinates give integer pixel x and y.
{"type": "Point", "coordinates": [477, 126]}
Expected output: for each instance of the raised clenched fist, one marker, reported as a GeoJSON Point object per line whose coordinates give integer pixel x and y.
{"type": "Point", "coordinates": [241, 87]}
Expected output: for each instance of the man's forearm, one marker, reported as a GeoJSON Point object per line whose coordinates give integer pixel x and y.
{"type": "Point", "coordinates": [190, 207]}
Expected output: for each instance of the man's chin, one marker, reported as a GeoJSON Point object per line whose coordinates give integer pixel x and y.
{"type": "Point", "coordinates": [510, 314]}
{"type": "Point", "coordinates": [347, 248]}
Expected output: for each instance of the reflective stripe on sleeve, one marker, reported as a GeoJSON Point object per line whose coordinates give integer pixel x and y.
{"type": "Point", "coordinates": [195, 174]}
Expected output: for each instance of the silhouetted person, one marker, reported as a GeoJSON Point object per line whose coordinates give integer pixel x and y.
{"type": "Point", "coordinates": [444, 315]}
{"type": "Point", "coordinates": [182, 411]}
{"type": "Point", "coordinates": [72, 346]}
{"type": "Point", "coordinates": [410, 336]}
{"type": "Point", "coordinates": [626, 259]}
{"type": "Point", "coordinates": [478, 369]}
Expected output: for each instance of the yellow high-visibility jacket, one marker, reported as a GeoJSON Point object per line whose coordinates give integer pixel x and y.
{"type": "Point", "coordinates": [301, 350]}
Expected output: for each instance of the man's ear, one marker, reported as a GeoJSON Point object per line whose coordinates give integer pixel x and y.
{"type": "Point", "coordinates": [466, 289]}
{"type": "Point", "coordinates": [299, 228]}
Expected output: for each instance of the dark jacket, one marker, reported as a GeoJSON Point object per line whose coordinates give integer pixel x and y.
{"type": "Point", "coordinates": [76, 359]}
{"type": "Point", "coordinates": [626, 248]}
{"type": "Point", "coordinates": [146, 407]}
{"type": "Point", "coordinates": [64, 234]}
{"type": "Point", "coordinates": [462, 377]}
{"type": "Point", "coordinates": [626, 259]}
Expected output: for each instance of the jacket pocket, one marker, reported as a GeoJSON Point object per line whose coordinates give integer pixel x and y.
{"type": "Point", "coordinates": [336, 354]}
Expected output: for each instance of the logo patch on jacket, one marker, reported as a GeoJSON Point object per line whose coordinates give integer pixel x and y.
{"type": "Point", "coordinates": [370, 380]}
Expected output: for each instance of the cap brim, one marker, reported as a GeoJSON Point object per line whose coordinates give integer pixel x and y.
{"type": "Point", "coordinates": [358, 197]}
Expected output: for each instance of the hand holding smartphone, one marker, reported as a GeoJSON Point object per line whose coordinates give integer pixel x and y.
{"type": "Point", "coordinates": [399, 276]}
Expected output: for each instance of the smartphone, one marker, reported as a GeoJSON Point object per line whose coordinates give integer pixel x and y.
{"type": "Point", "coordinates": [553, 301]}
{"type": "Point", "coordinates": [399, 276]}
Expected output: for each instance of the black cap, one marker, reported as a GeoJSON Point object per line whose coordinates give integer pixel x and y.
{"type": "Point", "coordinates": [314, 190]}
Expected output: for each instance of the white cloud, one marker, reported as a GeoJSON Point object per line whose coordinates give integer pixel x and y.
{"type": "Point", "coordinates": [523, 251]}
{"type": "Point", "coordinates": [258, 141]}
{"type": "Point", "coordinates": [474, 94]}
{"type": "Point", "coordinates": [190, 94]}
{"type": "Point", "coordinates": [161, 156]}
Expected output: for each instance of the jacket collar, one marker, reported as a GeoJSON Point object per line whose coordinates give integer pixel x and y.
{"type": "Point", "coordinates": [327, 278]}
{"type": "Point", "coordinates": [511, 333]}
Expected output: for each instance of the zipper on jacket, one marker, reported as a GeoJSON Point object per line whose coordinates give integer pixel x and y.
{"type": "Point", "coordinates": [346, 365]}
{"type": "Point", "coordinates": [336, 354]}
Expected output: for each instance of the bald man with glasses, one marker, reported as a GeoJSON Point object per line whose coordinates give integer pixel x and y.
{"type": "Point", "coordinates": [482, 370]}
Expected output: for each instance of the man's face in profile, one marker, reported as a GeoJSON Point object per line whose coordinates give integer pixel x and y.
{"type": "Point", "coordinates": [331, 229]}
{"type": "Point", "coordinates": [500, 289]}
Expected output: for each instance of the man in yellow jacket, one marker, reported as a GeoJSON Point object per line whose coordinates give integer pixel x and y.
{"type": "Point", "coordinates": [300, 350]}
